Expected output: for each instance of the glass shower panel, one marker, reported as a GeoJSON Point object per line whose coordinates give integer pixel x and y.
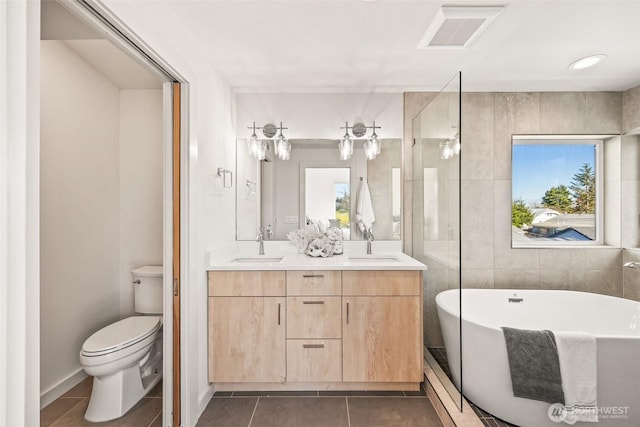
{"type": "Point", "coordinates": [436, 228]}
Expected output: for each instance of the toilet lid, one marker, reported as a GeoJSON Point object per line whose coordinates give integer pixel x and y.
{"type": "Point", "coordinates": [122, 334]}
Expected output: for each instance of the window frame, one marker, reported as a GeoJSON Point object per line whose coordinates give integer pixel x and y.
{"type": "Point", "coordinates": [599, 161]}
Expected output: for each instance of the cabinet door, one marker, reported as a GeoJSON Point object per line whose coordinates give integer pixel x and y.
{"type": "Point", "coordinates": [247, 339]}
{"type": "Point", "coordinates": [381, 339]}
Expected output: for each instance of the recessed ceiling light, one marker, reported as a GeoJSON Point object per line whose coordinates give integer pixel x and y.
{"type": "Point", "coordinates": [586, 62]}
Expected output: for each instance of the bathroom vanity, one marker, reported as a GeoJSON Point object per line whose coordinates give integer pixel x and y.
{"type": "Point", "coordinates": [299, 323]}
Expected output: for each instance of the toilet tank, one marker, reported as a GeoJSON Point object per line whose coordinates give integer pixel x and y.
{"type": "Point", "coordinates": [147, 289]}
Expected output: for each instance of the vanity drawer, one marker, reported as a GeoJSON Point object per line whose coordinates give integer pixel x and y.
{"type": "Point", "coordinates": [380, 282]}
{"type": "Point", "coordinates": [314, 282]}
{"type": "Point", "coordinates": [246, 283]}
{"type": "Point", "coordinates": [314, 317]}
{"type": "Point", "coordinates": [314, 360]}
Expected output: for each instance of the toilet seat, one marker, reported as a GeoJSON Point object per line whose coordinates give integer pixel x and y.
{"type": "Point", "coordinates": [121, 335]}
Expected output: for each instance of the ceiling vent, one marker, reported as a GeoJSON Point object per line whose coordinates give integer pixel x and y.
{"type": "Point", "coordinates": [456, 27]}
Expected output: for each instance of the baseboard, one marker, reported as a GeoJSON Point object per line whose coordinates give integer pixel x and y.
{"type": "Point", "coordinates": [62, 387]}
{"type": "Point", "coordinates": [204, 400]}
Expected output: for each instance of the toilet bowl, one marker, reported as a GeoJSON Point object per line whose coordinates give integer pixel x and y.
{"type": "Point", "coordinates": [125, 357]}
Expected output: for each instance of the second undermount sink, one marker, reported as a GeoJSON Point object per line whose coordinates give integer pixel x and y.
{"type": "Point", "coordinates": [258, 259]}
{"type": "Point", "coordinates": [373, 258]}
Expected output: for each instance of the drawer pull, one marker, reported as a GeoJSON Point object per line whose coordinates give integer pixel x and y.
{"type": "Point", "coordinates": [312, 345]}
{"type": "Point", "coordinates": [313, 302]}
{"type": "Point", "coordinates": [313, 276]}
{"type": "Point", "coordinates": [347, 313]}
{"type": "Point", "coordinates": [278, 313]}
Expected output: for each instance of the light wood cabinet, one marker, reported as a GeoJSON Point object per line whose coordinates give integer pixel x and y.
{"type": "Point", "coordinates": [315, 330]}
{"type": "Point", "coordinates": [247, 329]}
{"type": "Point", "coordinates": [381, 339]}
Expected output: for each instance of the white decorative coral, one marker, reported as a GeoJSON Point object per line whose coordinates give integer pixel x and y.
{"type": "Point", "coordinates": [313, 243]}
{"type": "Point", "coordinates": [321, 246]}
{"type": "Point", "coordinates": [301, 237]}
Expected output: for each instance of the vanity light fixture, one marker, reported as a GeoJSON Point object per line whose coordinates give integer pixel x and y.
{"type": "Point", "coordinates": [587, 61]}
{"type": "Point", "coordinates": [371, 146]}
{"type": "Point", "coordinates": [258, 147]}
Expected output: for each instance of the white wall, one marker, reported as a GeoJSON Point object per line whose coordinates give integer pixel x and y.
{"type": "Point", "coordinates": [79, 208]}
{"type": "Point", "coordinates": [19, 205]}
{"type": "Point", "coordinates": [101, 205]}
{"type": "Point", "coordinates": [140, 189]}
{"type": "Point", "coordinates": [320, 115]}
{"type": "Point", "coordinates": [210, 208]}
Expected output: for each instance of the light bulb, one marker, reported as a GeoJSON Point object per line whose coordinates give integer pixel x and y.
{"type": "Point", "coordinates": [253, 144]}
{"type": "Point", "coordinates": [345, 147]}
{"type": "Point", "coordinates": [261, 151]}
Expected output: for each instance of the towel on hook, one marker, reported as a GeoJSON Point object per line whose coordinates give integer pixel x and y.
{"type": "Point", "coordinates": [578, 368]}
{"type": "Point", "coordinates": [364, 209]}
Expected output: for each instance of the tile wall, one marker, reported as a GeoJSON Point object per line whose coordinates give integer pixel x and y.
{"type": "Point", "coordinates": [488, 261]}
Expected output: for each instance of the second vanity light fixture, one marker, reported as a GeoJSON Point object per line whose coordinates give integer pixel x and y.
{"type": "Point", "coordinates": [371, 146]}
{"type": "Point", "coordinates": [258, 147]}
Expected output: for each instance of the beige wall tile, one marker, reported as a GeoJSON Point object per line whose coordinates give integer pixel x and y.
{"type": "Point", "coordinates": [606, 282]}
{"type": "Point", "coordinates": [562, 112]}
{"type": "Point", "coordinates": [517, 279]}
{"type": "Point", "coordinates": [603, 259]}
{"type": "Point", "coordinates": [603, 112]}
{"type": "Point", "coordinates": [574, 279]}
{"type": "Point", "coordinates": [477, 136]}
{"type": "Point", "coordinates": [631, 109]}
{"type": "Point", "coordinates": [565, 258]}
{"type": "Point", "coordinates": [477, 278]}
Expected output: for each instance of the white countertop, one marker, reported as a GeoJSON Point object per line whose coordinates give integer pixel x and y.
{"type": "Point", "coordinates": [292, 260]}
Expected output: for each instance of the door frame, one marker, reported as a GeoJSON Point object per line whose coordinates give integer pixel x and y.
{"type": "Point", "coordinates": [175, 178]}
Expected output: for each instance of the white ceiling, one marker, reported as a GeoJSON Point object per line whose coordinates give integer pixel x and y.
{"type": "Point", "coordinates": [57, 23]}
{"type": "Point", "coordinates": [364, 46]}
{"type": "Point", "coordinates": [370, 46]}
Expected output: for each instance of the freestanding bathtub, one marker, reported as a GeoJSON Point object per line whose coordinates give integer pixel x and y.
{"type": "Point", "coordinates": [615, 322]}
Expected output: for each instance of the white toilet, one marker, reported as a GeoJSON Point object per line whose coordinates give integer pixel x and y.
{"type": "Point", "coordinates": [125, 358]}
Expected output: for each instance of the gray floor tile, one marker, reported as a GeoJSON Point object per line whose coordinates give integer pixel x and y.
{"type": "Point", "coordinates": [228, 412]}
{"type": "Point", "coordinates": [156, 391]}
{"type": "Point", "coordinates": [362, 393]}
{"type": "Point", "coordinates": [157, 422]}
{"type": "Point", "coordinates": [392, 411]}
{"type": "Point", "coordinates": [274, 393]}
{"type": "Point", "coordinates": [57, 409]}
{"type": "Point", "coordinates": [297, 412]}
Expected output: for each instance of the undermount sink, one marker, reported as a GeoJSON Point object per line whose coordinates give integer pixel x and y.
{"type": "Point", "coordinates": [256, 259]}
{"type": "Point", "coordinates": [373, 258]}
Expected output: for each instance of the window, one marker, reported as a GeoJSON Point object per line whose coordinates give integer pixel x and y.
{"type": "Point", "coordinates": [556, 191]}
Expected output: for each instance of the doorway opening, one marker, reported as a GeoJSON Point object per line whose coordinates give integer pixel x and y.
{"type": "Point", "coordinates": [113, 123]}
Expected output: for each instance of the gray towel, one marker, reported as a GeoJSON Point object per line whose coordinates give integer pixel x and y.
{"type": "Point", "coordinates": [534, 365]}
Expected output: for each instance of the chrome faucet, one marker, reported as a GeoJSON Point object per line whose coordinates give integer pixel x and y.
{"type": "Point", "coordinates": [260, 240]}
{"type": "Point", "coordinates": [269, 232]}
{"type": "Point", "coordinates": [369, 240]}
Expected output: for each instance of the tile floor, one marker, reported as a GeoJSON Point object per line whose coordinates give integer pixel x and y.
{"type": "Point", "coordinates": [320, 409]}
{"type": "Point", "coordinates": [263, 409]}
{"type": "Point", "coordinates": [68, 410]}
{"type": "Point", "coordinates": [488, 420]}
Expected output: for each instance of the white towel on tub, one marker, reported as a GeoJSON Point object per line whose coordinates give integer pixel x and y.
{"type": "Point", "coordinates": [578, 368]}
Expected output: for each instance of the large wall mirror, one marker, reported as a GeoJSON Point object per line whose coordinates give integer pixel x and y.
{"type": "Point", "coordinates": [314, 187]}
